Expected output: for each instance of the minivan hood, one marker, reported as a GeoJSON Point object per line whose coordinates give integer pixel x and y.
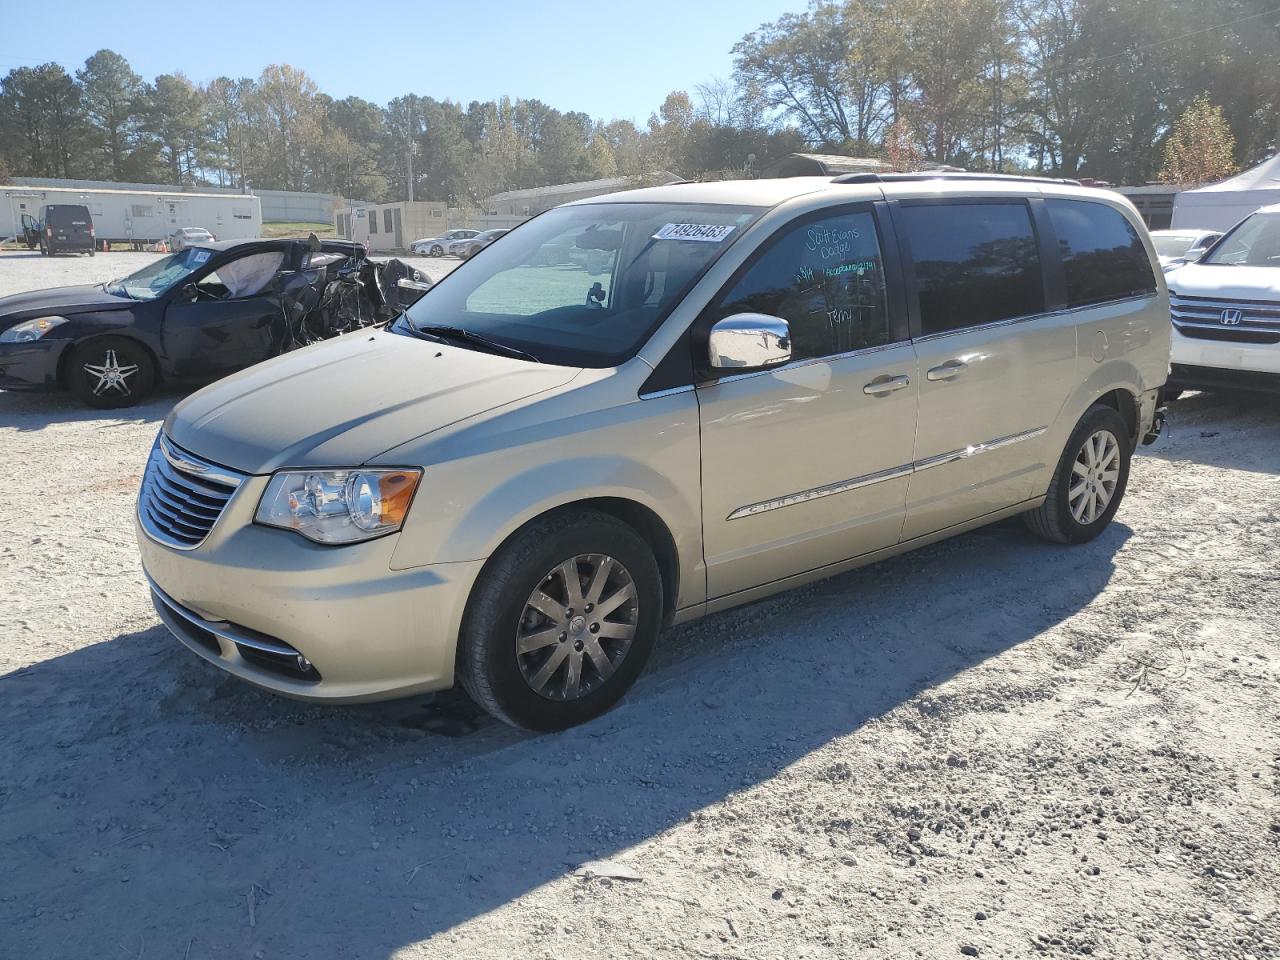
{"type": "Point", "coordinates": [1230, 283]}
{"type": "Point", "coordinates": [344, 401]}
{"type": "Point", "coordinates": [63, 301]}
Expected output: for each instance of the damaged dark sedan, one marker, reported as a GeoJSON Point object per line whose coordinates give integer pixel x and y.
{"type": "Point", "coordinates": [195, 316]}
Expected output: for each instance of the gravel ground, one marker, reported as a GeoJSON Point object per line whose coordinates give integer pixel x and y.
{"type": "Point", "coordinates": [991, 747]}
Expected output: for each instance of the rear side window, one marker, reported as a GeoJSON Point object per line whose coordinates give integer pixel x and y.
{"type": "Point", "coordinates": [975, 263]}
{"type": "Point", "coordinates": [826, 279]}
{"type": "Point", "coordinates": [1102, 255]}
{"type": "Point", "coordinates": [67, 215]}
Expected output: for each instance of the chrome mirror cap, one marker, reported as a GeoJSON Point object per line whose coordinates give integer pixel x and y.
{"type": "Point", "coordinates": [749, 341]}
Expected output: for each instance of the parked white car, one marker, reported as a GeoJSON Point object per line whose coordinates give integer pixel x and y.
{"type": "Point", "coordinates": [185, 237]}
{"type": "Point", "coordinates": [1176, 247]}
{"type": "Point", "coordinates": [1226, 311]}
{"type": "Point", "coordinates": [436, 246]}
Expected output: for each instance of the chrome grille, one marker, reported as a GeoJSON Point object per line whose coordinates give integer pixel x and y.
{"type": "Point", "coordinates": [183, 495]}
{"type": "Point", "coordinates": [1216, 318]}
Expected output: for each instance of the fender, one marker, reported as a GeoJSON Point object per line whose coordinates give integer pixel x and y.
{"type": "Point", "coordinates": [519, 498]}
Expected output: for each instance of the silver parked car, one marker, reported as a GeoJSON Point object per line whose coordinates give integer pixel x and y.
{"type": "Point", "coordinates": [469, 248]}
{"type": "Point", "coordinates": [438, 246]}
{"type": "Point", "coordinates": [644, 408]}
{"type": "Point", "coordinates": [185, 237]}
{"type": "Point", "coordinates": [1176, 247]}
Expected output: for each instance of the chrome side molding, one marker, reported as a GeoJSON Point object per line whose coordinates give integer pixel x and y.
{"type": "Point", "coordinates": [965, 453]}
{"type": "Point", "coordinates": [892, 473]}
{"type": "Point", "coordinates": [830, 489]}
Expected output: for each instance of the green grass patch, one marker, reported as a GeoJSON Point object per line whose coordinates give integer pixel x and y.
{"type": "Point", "coordinates": [285, 228]}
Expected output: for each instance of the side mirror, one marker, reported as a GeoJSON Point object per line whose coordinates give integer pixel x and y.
{"type": "Point", "coordinates": [1191, 256]}
{"type": "Point", "coordinates": [747, 341]}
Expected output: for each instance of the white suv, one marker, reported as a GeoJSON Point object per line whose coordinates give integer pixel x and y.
{"type": "Point", "coordinates": [1226, 311]}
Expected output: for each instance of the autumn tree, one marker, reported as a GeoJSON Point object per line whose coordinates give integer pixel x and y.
{"type": "Point", "coordinates": [1201, 147]}
{"type": "Point", "coordinates": [899, 149]}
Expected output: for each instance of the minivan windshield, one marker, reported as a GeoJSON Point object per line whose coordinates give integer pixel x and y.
{"type": "Point", "coordinates": [155, 278]}
{"type": "Point", "coordinates": [582, 285]}
{"type": "Point", "coordinates": [1253, 242]}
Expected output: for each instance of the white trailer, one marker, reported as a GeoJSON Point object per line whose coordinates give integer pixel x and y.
{"type": "Point", "coordinates": [138, 217]}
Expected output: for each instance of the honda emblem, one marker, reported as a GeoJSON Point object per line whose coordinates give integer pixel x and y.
{"type": "Point", "coordinates": [1232, 318]}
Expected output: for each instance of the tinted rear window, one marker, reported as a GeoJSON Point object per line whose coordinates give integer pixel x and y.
{"type": "Point", "coordinates": [68, 215]}
{"type": "Point", "coordinates": [1102, 254]}
{"type": "Point", "coordinates": [975, 263]}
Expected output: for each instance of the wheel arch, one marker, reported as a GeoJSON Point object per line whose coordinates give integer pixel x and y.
{"type": "Point", "coordinates": [640, 518]}
{"type": "Point", "coordinates": [1124, 402]}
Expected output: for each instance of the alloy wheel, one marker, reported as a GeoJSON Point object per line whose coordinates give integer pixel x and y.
{"type": "Point", "coordinates": [577, 627]}
{"type": "Point", "coordinates": [1094, 476]}
{"type": "Point", "coordinates": [111, 375]}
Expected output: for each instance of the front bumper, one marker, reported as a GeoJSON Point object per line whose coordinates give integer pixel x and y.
{"type": "Point", "coordinates": [1224, 354]}
{"type": "Point", "coordinates": [250, 598]}
{"type": "Point", "coordinates": [32, 365]}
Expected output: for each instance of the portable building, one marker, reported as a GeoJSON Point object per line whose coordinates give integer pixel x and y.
{"type": "Point", "coordinates": [1220, 206]}
{"type": "Point", "coordinates": [138, 216]}
{"type": "Point", "coordinates": [383, 227]}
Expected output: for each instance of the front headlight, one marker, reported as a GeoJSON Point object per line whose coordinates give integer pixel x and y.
{"type": "Point", "coordinates": [30, 330]}
{"type": "Point", "coordinates": [338, 506]}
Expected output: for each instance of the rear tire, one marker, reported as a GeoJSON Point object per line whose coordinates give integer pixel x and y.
{"type": "Point", "coordinates": [110, 372]}
{"type": "Point", "coordinates": [1089, 481]}
{"type": "Point", "coordinates": [526, 630]}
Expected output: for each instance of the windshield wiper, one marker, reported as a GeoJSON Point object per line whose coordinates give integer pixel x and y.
{"type": "Point", "coordinates": [473, 339]}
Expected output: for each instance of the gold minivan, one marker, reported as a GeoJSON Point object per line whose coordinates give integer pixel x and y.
{"type": "Point", "coordinates": [638, 409]}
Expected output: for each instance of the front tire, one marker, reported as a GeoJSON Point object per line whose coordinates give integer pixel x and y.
{"type": "Point", "coordinates": [1089, 481]}
{"type": "Point", "coordinates": [561, 621]}
{"type": "Point", "coordinates": [437, 251]}
{"type": "Point", "coordinates": [110, 372]}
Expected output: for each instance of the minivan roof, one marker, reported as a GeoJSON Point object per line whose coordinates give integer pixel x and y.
{"type": "Point", "coordinates": [771, 192]}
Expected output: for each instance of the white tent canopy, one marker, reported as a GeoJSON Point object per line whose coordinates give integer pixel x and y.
{"type": "Point", "coordinates": [1220, 206]}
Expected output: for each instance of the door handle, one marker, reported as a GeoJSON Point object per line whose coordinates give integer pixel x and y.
{"type": "Point", "coordinates": [946, 371]}
{"type": "Point", "coordinates": [882, 385]}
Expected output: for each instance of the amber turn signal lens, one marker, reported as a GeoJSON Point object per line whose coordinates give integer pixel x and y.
{"type": "Point", "coordinates": [396, 491]}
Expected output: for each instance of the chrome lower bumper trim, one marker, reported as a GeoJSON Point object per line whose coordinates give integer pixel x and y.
{"type": "Point", "coordinates": [239, 636]}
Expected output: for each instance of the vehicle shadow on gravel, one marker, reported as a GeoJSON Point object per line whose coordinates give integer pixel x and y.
{"type": "Point", "coordinates": [35, 411]}
{"type": "Point", "coordinates": [148, 800]}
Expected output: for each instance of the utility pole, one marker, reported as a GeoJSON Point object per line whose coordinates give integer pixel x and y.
{"type": "Point", "coordinates": [411, 173]}
{"type": "Point", "coordinates": [411, 145]}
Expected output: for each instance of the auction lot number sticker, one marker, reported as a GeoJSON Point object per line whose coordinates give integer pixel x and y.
{"type": "Point", "coordinates": [706, 232]}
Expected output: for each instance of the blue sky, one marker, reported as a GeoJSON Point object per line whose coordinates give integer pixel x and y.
{"type": "Point", "coordinates": [605, 58]}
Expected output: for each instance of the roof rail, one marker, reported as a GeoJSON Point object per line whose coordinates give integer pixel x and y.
{"type": "Point", "coordinates": [945, 175]}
